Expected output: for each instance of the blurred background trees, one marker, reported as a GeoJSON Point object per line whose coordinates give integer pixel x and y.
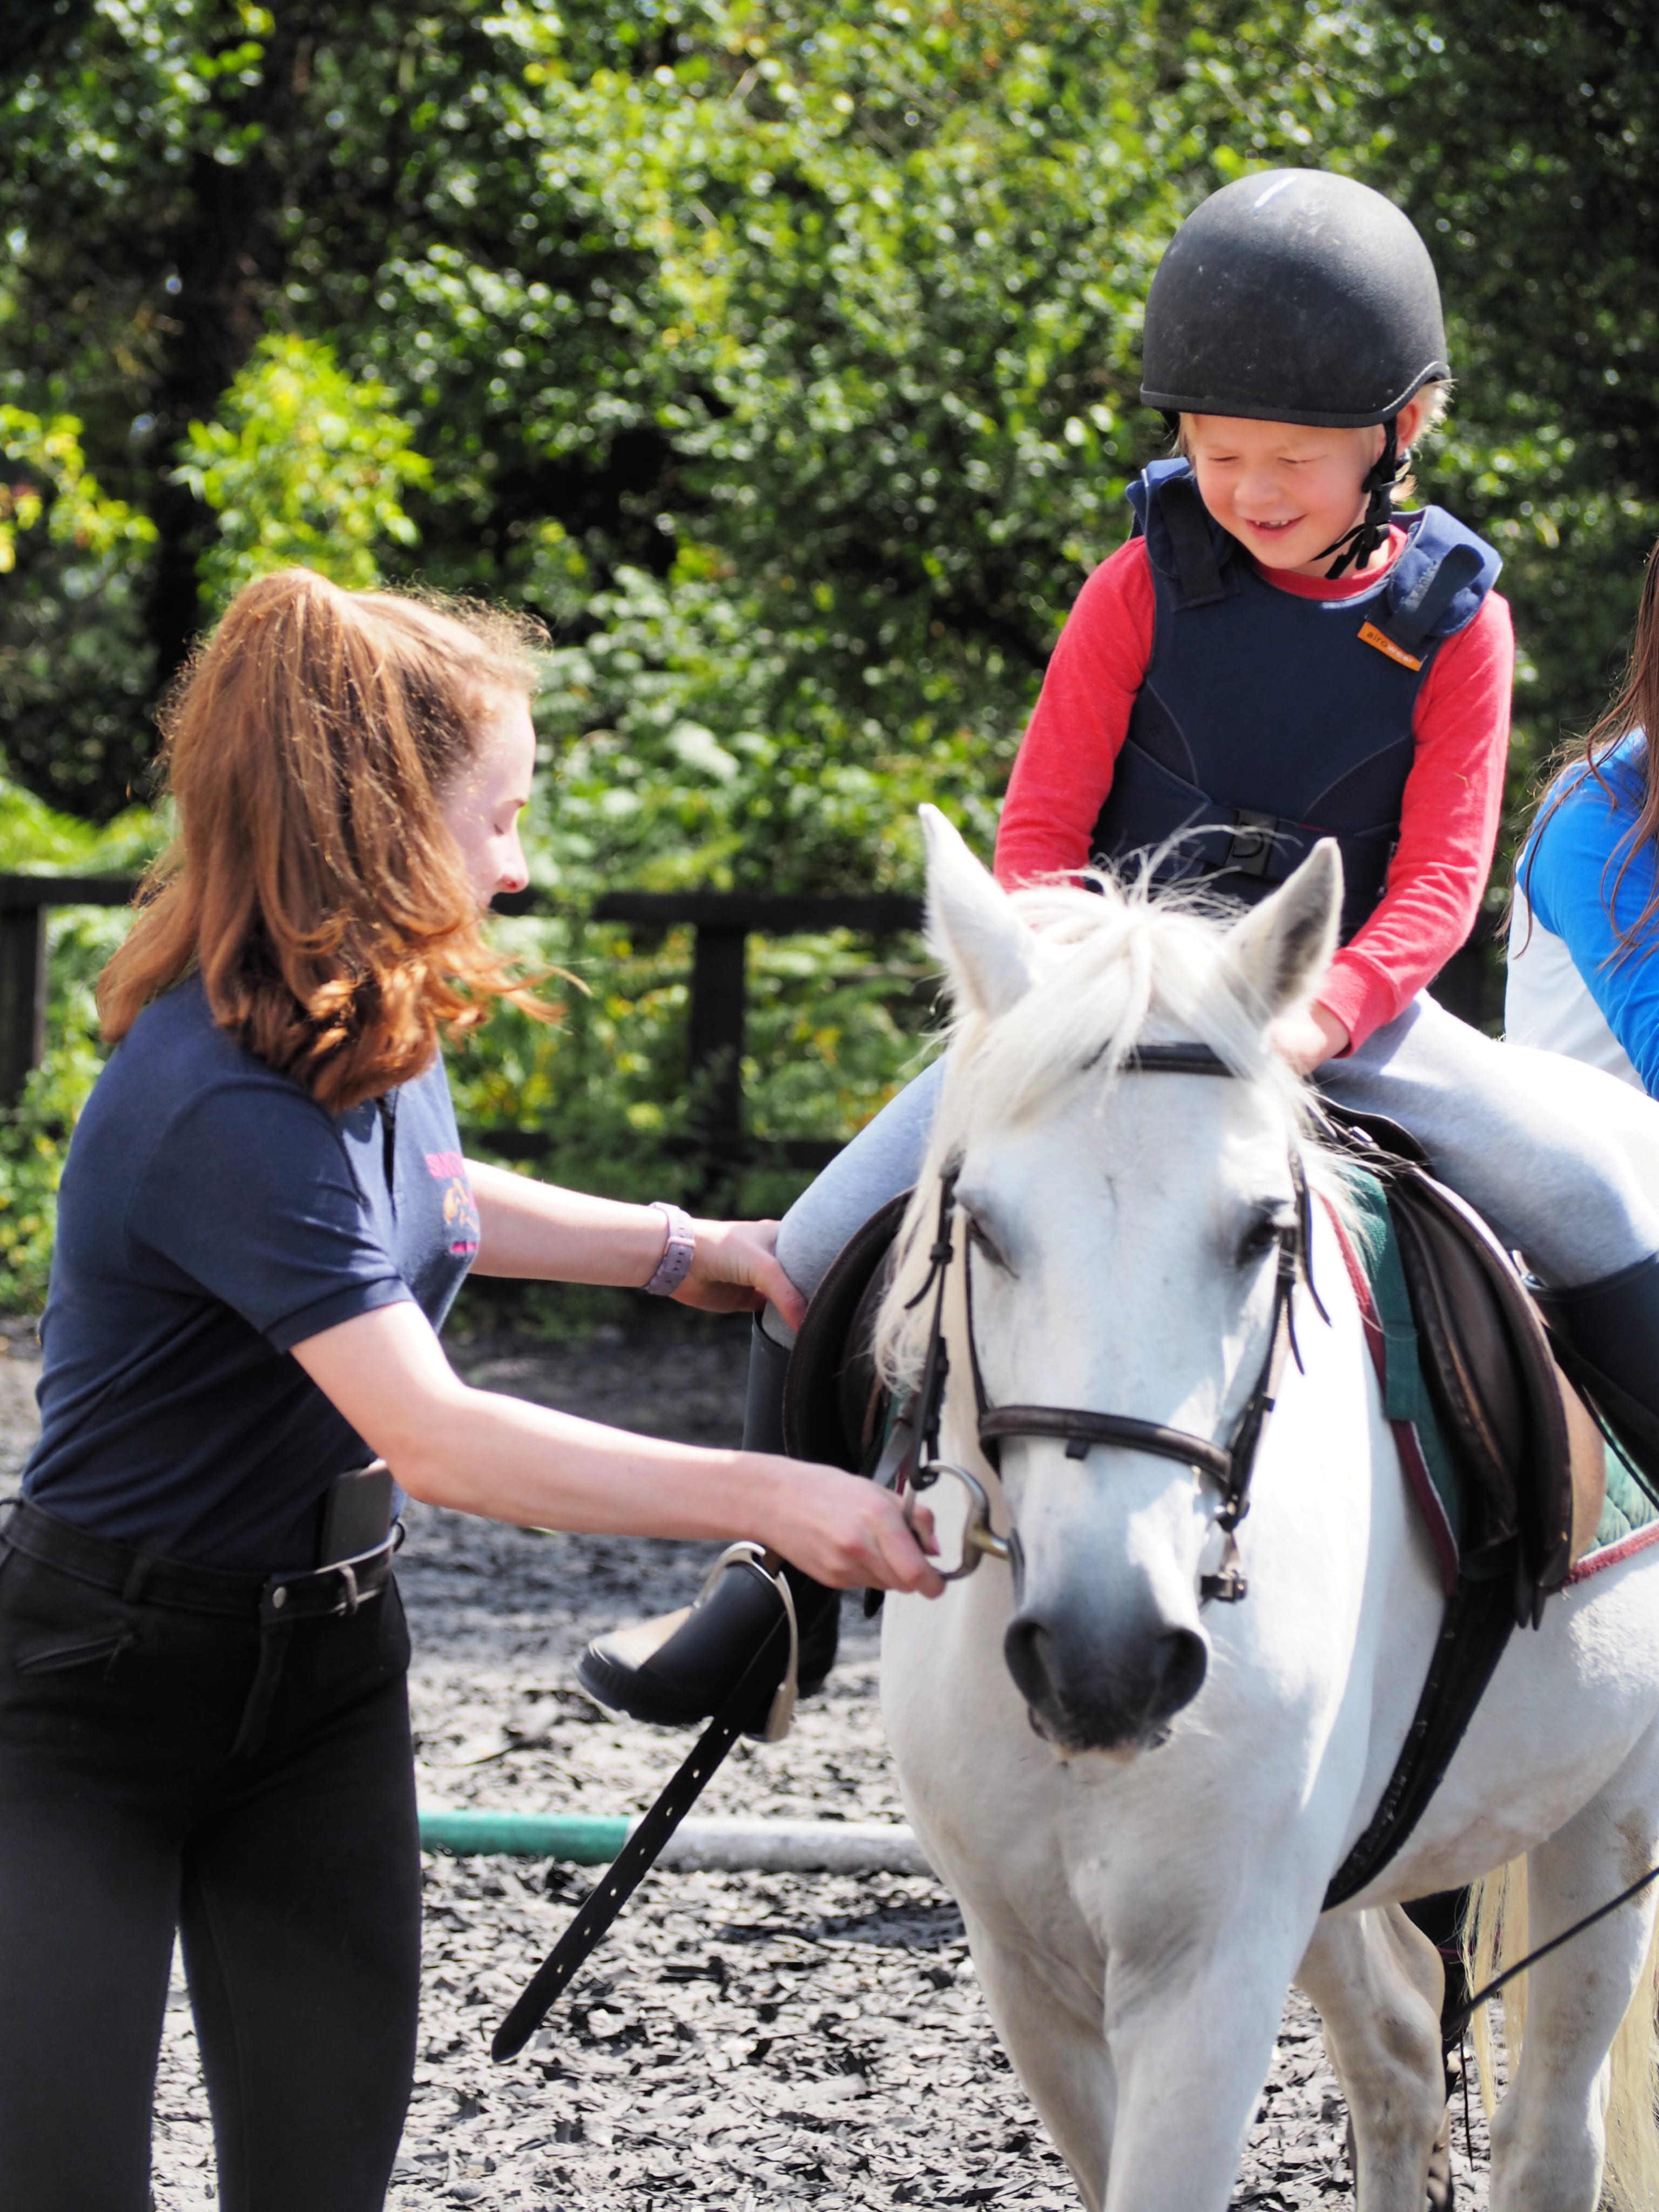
{"type": "Point", "coordinates": [782, 357]}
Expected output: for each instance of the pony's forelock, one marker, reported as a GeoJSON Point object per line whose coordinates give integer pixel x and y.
{"type": "Point", "coordinates": [1117, 966]}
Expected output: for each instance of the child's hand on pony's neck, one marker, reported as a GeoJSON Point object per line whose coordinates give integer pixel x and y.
{"type": "Point", "coordinates": [1288, 492]}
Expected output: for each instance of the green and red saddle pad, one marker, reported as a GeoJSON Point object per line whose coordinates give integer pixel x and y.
{"type": "Point", "coordinates": [1630, 1517]}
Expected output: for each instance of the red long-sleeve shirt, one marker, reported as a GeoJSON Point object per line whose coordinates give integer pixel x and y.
{"type": "Point", "coordinates": [1449, 818]}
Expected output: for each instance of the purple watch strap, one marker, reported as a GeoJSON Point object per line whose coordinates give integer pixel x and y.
{"type": "Point", "coordinates": [674, 1264]}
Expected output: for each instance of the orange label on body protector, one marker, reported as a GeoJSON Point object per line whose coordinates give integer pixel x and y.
{"type": "Point", "coordinates": [1371, 635]}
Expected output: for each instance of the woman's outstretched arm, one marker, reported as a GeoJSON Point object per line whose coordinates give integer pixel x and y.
{"type": "Point", "coordinates": [480, 1452]}
{"type": "Point", "coordinates": [539, 1230]}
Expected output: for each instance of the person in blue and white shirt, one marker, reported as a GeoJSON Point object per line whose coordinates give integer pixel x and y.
{"type": "Point", "coordinates": [1582, 977]}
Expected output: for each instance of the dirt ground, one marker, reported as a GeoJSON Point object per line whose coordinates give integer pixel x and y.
{"type": "Point", "coordinates": [741, 2041]}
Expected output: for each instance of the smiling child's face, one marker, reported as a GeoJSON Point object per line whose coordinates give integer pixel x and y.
{"type": "Point", "coordinates": [1285, 491]}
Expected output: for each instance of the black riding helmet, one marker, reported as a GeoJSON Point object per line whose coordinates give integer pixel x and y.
{"type": "Point", "coordinates": [1293, 296]}
{"type": "Point", "coordinates": [1296, 296]}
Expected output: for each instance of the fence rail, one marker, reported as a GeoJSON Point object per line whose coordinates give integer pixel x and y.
{"type": "Point", "coordinates": [722, 923]}
{"type": "Point", "coordinates": [24, 902]}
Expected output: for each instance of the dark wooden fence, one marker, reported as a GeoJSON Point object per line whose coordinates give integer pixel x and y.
{"type": "Point", "coordinates": [723, 922]}
{"type": "Point", "coordinates": [24, 901]}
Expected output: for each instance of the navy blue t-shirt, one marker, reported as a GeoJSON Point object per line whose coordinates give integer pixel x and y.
{"type": "Point", "coordinates": [213, 1214]}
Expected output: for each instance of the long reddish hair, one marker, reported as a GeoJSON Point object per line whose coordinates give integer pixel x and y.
{"type": "Point", "coordinates": [1635, 707]}
{"type": "Point", "coordinates": [313, 881]}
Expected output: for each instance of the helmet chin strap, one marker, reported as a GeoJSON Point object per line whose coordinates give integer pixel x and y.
{"type": "Point", "coordinates": [1372, 528]}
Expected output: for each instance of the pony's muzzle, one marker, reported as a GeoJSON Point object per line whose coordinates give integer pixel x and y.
{"type": "Point", "coordinates": [1091, 1691]}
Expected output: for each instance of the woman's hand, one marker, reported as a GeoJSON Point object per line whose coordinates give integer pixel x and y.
{"type": "Point", "coordinates": [1307, 1040]}
{"type": "Point", "coordinates": [735, 1269]}
{"type": "Point", "coordinates": [845, 1531]}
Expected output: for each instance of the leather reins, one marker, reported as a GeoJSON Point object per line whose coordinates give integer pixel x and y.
{"type": "Point", "coordinates": [1229, 1465]}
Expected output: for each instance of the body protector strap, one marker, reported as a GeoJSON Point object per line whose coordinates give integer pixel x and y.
{"type": "Point", "coordinates": [1268, 721]}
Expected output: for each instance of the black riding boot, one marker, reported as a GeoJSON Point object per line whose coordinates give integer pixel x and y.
{"type": "Point", "coordinates": [680, 1667]}
{"type": "Point", "coordinates": [1609, 1333]}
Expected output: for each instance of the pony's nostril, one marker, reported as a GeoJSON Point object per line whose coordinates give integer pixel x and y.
{"type": "Point", "coordinates": [1026, 1648]}
{"type": "Point", "coordinates": [1183, 1658]}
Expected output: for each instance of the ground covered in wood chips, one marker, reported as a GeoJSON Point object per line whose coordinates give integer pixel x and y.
{"type": "Point", "coordinates": [740, 2041]}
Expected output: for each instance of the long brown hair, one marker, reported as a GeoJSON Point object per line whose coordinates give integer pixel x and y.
{"type": "Point", "coordinates": [313, 881]}
{"type": "Point", "coordinates": [1635, 707]}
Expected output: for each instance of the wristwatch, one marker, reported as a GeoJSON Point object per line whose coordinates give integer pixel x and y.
{"type": "Point", "coordinates": [678, 1253]}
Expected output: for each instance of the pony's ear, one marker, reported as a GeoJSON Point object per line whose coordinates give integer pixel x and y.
{"type": "Point", "coordinates": [989, 954]}
{"type": "Point", "coordinates": [1282, 948]}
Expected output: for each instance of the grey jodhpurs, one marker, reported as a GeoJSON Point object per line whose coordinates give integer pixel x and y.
{"type": "Point", "coordinates": [1550, 1187]}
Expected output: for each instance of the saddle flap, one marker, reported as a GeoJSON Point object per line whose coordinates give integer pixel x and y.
{"type": "Point", "coordinates": [833, 1398]}
{"type": "Point", "coordinates": [1533, 1450]}
{"type": "Point", "coordinates": [1470, 1360]}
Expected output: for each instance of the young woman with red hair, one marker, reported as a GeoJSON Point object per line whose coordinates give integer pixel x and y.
{"type": "Point", "coordinates": [203, 1724]}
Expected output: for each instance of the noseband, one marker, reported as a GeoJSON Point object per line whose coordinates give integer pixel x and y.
{"type": "Point", "coordinates": [1228, 1465]}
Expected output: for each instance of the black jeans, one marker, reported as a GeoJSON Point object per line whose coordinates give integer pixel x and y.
{"type": "Point", "coordinates": [293, 1873]}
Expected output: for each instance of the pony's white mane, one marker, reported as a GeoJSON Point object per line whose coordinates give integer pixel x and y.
{"type": "Point", "coordinates": [1115, 967]}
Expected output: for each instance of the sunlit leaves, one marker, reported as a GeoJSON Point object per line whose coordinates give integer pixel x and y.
{"type": "Point", "coordinates": [302, 464]}
{"type": "Point", "coordinates": [48, 482]}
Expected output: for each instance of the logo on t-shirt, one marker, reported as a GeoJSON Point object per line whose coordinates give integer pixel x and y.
{"type": "Point", "coordinates": [460, 1208]}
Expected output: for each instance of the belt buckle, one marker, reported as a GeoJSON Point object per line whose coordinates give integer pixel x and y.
{"type": "Point", "coordinates": [1250, 852]}
{"type": "Point", "coordinates": [347, 1570]}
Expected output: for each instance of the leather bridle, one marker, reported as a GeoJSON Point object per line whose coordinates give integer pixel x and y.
{"type": "Point", "coordinates": [1229, 1465]}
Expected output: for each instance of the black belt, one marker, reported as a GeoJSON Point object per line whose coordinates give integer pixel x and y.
{"type": "Point", "coordinates": [329, 1592]}
{"type": "Point", "coordinates": [274, 1602]}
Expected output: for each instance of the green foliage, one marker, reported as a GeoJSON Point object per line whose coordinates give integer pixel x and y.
{"type": "Point", "coordinates": [73, 567]}
{"type": "Point", "coordinates": [783, 357]}
{"type": "Point", "coordinates": [55, 485]}
{"type": "Point", "coordinates": [835, 1026]}
{"type": "Point", "coordinates": [303, 465]}
{"type": "Point", "coordinates": [33, 1138]}
{"type": "Point", "coordinates": [34, 840]}
{"type": "Point", "coordinates": [1524, 141]}
{"type": "Point", "coordinates": [712, 752]}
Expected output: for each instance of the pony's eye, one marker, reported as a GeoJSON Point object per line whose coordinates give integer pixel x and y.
{"type": "Point", "coordinates": [1261, 1237]}
{"type": "Point", "coordinates": [988, 1245]}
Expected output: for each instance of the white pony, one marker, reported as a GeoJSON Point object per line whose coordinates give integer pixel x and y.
{"type": "Point", "coordinates": [1141, 1834]}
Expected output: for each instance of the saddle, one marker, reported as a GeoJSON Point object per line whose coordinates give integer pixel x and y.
{"type": "Point", "coordinates": [1531, 1454]}
{"type": "Point", "coordinates": [835, 1405]}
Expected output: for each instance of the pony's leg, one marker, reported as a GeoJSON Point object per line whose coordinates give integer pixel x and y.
{"type": "Point", "coordinates": [1549, 2134]}
{"type": "Point", "coordinates": [1191, 2026]}
{"type": "Point", "coordinates": [1375, 1981]}
{"type": "Point", "coordinates": [1048, 2016]}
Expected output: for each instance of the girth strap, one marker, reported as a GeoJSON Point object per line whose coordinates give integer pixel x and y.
{"type": "Point", "coordinates": [1474, 1632]}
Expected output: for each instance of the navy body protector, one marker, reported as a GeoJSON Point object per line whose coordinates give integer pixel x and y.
{"type": "Point", "coordinates": [1268, 721]}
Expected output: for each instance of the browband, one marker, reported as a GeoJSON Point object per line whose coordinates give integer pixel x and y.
{"type": "Point", "coordinates": [1175, 1060]}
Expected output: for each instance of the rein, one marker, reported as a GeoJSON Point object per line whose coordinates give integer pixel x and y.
{"type": "Point", "coordinates": [1229, 1465]}
{"type": "Point", "coordinates": [1453, 2028]}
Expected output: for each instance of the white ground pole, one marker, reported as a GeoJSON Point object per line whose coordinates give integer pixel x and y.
{"type": "Point", "coordinates": [734, 1846]}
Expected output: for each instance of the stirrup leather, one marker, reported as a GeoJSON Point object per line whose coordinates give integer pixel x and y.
{"type": "Point", "coordinates": [780, 1715]}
